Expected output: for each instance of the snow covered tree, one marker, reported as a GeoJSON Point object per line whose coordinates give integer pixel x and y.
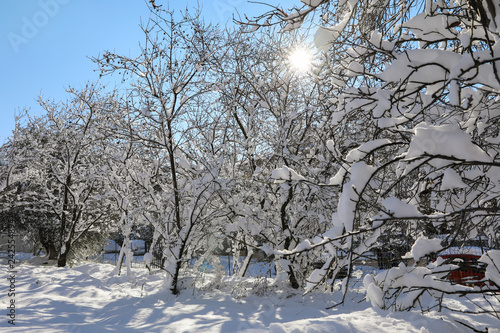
{"type": "Point", "coordinates": [168, 81]}
{"type": "Point", "coordinates": [273, 115]}
{"type": "Point", "coordinates": [31, 218]}
{"type": "Point", "coordinates": [123, 163]}
{"type": "Point", "coordinates": [55, 183]}
{"type": "Point", "coordinates": [416, 126]}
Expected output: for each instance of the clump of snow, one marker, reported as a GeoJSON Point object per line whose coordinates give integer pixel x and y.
{"type": "Point", "coordinates": [373, 293]}
{"type": "Point", "coordinates": [446, 140]}
{"type": "Point", "coordinates": [422, 247]}
{"type": "Point", "coordinates": [304, 245]}
{"type": "Point", "coordinates": [354, 69]}
{"type": "Point", "coordinates": [359, 153]}
{"type": "Point", "coordinates": [286, 173]}
{"type": "Point", "coordinates": [398, 208]}
{"type": "Point", "coordinates": [326, 36]}
{"type": "Point", "coordinates": [451, 180]}
{"type": "Point", "coordinates": [339, 176]}
{"type": "Point", "coordinates": [360, 175]}
{"type": "Point", "coordinates": [430, 27]}
{"type": "Point", "coordinates": [492, 260]}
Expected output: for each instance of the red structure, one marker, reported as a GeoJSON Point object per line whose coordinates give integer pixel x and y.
{"type": "Point", "coordinates": [470, 270]}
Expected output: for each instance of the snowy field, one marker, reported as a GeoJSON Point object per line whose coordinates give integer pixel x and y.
{"type": "Point", "coordinates": [87, 298]}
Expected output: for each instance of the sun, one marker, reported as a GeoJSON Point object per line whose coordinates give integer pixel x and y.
{"type": "Point", "coordinates": [300, 60]}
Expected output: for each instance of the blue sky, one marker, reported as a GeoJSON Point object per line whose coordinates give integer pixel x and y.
{"type": "Point", "coordinates": [45, 44]}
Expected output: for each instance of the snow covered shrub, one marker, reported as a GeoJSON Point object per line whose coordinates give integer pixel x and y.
{"type": "Point", "coordinates": [405, 287]}
{"type": "Point", "coordinates": [87, 247]}
{"type": "Point", "coordinates": [263, 287]}
{"type": "Point", "coordinates": [211, 268]}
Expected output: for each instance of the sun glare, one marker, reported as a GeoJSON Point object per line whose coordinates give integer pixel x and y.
{"type": "Point", "coordinates": [300, 60]}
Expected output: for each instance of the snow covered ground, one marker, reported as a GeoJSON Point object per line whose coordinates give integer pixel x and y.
{"type": "Point", "coordinates": [87, 298]}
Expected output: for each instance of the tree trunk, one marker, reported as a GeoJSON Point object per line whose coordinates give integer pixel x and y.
{"type": "Point", "coordinates": [244, 267]}
{"type": "Point", "coordinates": [288, 239]}
{"type": "Point", "coordinates": [178, 264]}
{"type": "Point", "coordinates": [63, 257]}
{"type": "Point", "coordinates": [175, 278]}
{"type": "Point", "coordinates": [52, 251]}
{"type": "Point", "coordinates": [291, 274]}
